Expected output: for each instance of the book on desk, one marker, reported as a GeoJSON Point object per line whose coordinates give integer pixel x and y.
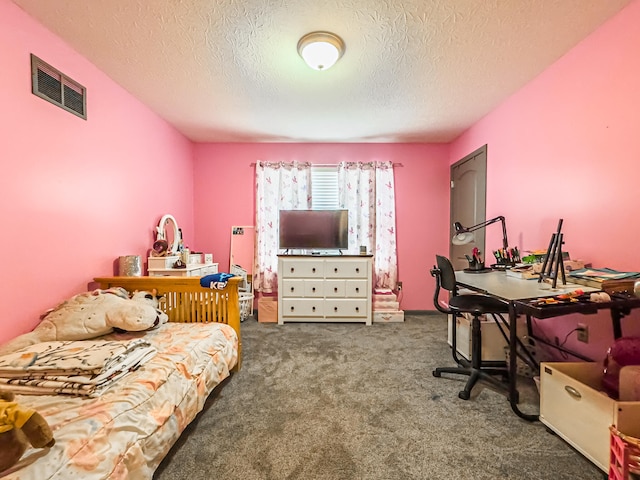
{"type": "Point", "coordinates": [606, 279]}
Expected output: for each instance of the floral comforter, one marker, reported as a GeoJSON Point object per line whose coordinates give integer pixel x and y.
{"type": "Point", "coordinates": [84, 367]}
{"type": "Point", "coordinates": [126, 431]}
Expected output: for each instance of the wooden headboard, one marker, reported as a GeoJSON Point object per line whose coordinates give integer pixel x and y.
{"type": "Point", "coordinates": [186, 301]}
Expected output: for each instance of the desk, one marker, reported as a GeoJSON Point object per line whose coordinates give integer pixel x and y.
{"type": "Point", "coordinates": [518, 293]}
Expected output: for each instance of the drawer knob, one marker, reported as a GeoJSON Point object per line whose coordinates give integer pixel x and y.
{"type": "Point", "coordinates": [357, 289]}
{"type": "Point", "coordinates": [313, 309]}
{"type": "Point", "coordinates": [335, 309]}
{"type": "Point", "coordinates": [335, 289]}
{"type": "Point", "coordinates": [292, 308]}
{"type": "Point", "coordinates": [357, 270]}
{"type": "Point", "coordinates": [313, 269]}
{"type": "Point", "coordinates": [293, 289]}
{"type": "Point", "coordinates": [335, 270]}
{"type": "Point", "coordinates": [572, 391]}
{"type": "Point", "coordinates": [313, 289]}
{"type": "Point", "coordinates": [293, 269]}
{"type": "Point", "coordinates": [357, 309]}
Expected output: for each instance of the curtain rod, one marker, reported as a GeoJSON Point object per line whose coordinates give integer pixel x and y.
{"type": "Point", "coordinates": [395, 164]}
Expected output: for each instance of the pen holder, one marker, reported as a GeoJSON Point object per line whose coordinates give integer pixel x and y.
{"type": "Point", "coordinates": [503, 262]}
{"type": "Point", "coordinates": [476, 265]}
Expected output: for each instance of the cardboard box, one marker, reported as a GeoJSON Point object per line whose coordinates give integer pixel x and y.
{"type": "Point", "coordinates": [268, 309]}
{"type": "Point", "coordinates": [493, 342]}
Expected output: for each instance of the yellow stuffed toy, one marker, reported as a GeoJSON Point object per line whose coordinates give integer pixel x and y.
{"type": "Point", "coordinates": [20, 427]}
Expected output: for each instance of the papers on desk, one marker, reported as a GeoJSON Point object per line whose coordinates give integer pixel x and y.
{"type": "Point", "coordinates": [524, 271]}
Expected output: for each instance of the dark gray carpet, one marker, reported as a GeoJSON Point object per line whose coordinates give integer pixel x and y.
{"type": "Point", "coordinates": [347, 401]}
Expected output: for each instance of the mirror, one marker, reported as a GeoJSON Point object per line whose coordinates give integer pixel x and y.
{"type": "Point", "coordinates": [242, 247]}
{"type": "Point", "coordinates": [168, 230]}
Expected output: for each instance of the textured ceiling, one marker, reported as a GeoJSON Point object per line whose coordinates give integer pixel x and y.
{"type": "Point", "coordinates": [413, 70]}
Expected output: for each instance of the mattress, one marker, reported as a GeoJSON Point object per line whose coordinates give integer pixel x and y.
{"type": "Point", "coordinates": [126, 431]}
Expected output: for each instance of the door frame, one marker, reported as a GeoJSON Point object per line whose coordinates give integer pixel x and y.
{"type": "Point", "coordinates": [480, 208]}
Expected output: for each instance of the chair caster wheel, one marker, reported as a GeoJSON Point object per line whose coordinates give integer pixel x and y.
{"type": "Point", "coordinates": [464, 395]}
{"type": "Point", "coordinates": [436, 373]}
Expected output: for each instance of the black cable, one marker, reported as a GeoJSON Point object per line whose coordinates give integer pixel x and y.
{"type": "Point", "coordinates": [567, 337]}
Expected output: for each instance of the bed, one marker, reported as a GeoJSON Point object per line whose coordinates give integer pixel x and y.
{"type": "Point", "coordinates": [127, 430]}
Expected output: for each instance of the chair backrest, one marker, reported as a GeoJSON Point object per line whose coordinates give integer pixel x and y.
{"type": "Point", "coordinates": [445, 279]}
{"type": "Point", "coordinates": [447, 274]}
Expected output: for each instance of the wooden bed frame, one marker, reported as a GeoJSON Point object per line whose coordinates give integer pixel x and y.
{"type": "Point", "coordinates": [188, 302]}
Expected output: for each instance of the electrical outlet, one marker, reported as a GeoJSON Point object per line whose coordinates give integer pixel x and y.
{"type": "Point", "coordinates": [399, 286]}
{"type": "Point", "coordinates": [583, 333]}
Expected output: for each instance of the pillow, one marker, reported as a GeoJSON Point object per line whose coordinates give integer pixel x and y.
{"type": "Point", "coordinates": [624, 351]}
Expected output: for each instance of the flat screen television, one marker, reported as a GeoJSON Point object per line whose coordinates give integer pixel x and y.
{"type": "Point", "coordinates": [314, 229]}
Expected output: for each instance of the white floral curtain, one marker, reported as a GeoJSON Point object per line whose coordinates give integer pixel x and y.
{"type": "Point", "coordinates": [367, 190]}
{"type": "Point", "coordinates": [279, 186]}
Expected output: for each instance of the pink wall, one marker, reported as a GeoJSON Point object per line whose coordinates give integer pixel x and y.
{"type": "Point", "coordinates": [567, 146]}
{"type": "Point", "coordinates": [224, 196]}
{"type": "Point", "coordinates": [76, 194]}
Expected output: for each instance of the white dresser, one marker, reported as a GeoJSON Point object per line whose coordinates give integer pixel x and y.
{"type": "Point", "coordinates": [324, 288]}
{"type": "Point", "coordinates": [162, 267]}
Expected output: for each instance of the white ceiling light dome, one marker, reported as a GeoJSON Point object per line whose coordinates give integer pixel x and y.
{"type": "Point", "coordinates": [321, 50]}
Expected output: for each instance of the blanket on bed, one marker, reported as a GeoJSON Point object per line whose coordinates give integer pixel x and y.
{"type": "Point", "coordinates": [124, 433]}
{"type": "Point", "coordinates": [79, 368]}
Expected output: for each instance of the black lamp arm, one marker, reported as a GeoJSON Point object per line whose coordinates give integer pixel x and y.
{"type": "Point", "coordinates": [505, 243]}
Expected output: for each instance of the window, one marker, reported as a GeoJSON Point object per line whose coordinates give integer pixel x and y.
{"type": "Point", "coordinates": [324, 187]}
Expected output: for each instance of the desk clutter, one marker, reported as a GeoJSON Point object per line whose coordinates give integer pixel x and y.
{"type": "Point", "coordinates": [168, 256]}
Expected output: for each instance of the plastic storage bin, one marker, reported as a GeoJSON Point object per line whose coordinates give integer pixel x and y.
{"type": "Point", "coordinates": [624, 456]}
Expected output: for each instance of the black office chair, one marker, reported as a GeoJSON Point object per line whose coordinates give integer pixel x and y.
{"type": "Point", "coordinates": [476, 305]}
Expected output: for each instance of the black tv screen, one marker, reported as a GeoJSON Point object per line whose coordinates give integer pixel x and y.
{"type": "Point", "coordinates": [314, 229]}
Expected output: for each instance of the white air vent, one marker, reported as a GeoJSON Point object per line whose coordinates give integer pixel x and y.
{"type": "Point", "coordinates": [55, 87]}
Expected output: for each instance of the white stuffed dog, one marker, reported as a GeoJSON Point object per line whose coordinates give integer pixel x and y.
{"type": "Point", "coordinates": [92, 314]}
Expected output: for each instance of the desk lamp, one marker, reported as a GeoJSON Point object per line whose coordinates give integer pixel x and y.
{"type": "Point", "coordinates": [464, 235]}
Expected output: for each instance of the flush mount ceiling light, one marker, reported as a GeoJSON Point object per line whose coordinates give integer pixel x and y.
{"type": "Point", "coordinates": [320, 50]}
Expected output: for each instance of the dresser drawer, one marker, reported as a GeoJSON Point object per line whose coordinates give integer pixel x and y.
{"type": "Point", "coordinates": [302, 288]}
{"type": "Point", "coordinates": [356, 288]}
{"type": "Point", "coordinates": [292, 288]}
{"type": "Point", "coordinates": [335, 288]}
{"type": "Point", "coordinates": [169, 272]}
{"type": "Point", "coordinates": [347, 307]}
{"type": "Point", "coordinates": [161, 263]}
{"type": "Point", "coordinates": [302, 307]}
{"type": "Point", "coordinates": [347, 268]}
{"type": "Point", "coordinates": [300, 268]}
{"type": "Point", "coordinates": [209, 269]}
{"type": "Point", "coordinates": [314, 288]}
